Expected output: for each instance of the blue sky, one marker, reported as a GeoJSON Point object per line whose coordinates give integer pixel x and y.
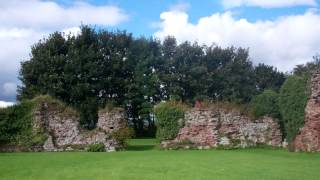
{"type": "Point", "coordinates": [143, 13]}
{"type": "Point", "coordinates": [282, 33]}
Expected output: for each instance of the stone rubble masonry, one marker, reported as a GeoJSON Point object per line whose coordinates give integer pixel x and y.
{"type": "Point", "coordinates": [308, 139]}
{"type": "Point", "coordinates": [212, 128]}
{"type": "Point", "coordinates": [64, 132]}
{"type": "Point", "coordinates": [109, 120]}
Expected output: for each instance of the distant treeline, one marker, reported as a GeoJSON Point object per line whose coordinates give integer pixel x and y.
{"type": "Point", "coordinates": [99, 68]}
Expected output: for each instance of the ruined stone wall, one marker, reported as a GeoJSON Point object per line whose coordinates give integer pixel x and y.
{"type": "Point", "coordinates": [64, 132]}
{"type": "Point", "coordinates": [110, 120]}
{"type": "Point", "coordinates": [308, 138]}
{"type": "Point", "coordinates": [207, 128]}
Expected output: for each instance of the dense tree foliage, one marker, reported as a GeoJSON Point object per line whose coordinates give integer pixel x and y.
{"type": "Point", "coordinates": [292, 102]}
{"type": "Point", "coordinates": [266, 104]}
{"type": "Point", "coordinates": [308, 68]}
{"type": "Point", "coordinates": [289, 104]}
{"type": "Point", "coordinates": [294, 95]}
{"type": "Point", "coordinates": [267, 77]}
{"type": "Point", "coordinates": [96, 68]}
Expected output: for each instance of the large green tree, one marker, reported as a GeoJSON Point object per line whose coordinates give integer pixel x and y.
{"type": "Point", "coordinates": [99, 67]}
{"type": "Point", "coordinates": [268, 77]}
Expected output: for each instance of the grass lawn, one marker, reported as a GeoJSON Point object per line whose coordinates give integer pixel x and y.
{"type": "Point", "coordinates": [143, 161]}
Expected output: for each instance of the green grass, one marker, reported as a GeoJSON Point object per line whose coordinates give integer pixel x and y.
{"type": "Point", "coordinates": [144, 161]}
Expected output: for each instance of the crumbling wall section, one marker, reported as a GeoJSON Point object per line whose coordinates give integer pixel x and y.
{"type": "Point", "coordinates": [212, 128]}
{"type": "Point", "coordinates": [64, 132]}
{"type": "Point", "coordinates": [308, 138]}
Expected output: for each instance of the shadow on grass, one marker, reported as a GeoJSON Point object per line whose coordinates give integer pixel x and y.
{"type": "Point", "coordinates": [140, 147]}
{"type": "Point", "coordinates": [142, 144]}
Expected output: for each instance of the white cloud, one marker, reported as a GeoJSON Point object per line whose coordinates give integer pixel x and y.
{"type": "Point", "coordinates": [23, 23]}
{"type": "Point", "coordinates": [4, 104]}
{"type": "Point", "coordinates": [268, 3]}
{"type": "Point", "coordinates": [284, 42]}
{"type": "Point", "coordinates": [50, 15]}
{"type": "Point", "coordinates": [71, 31]}
{"type": "Point", "coordinates": [15, 47]}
